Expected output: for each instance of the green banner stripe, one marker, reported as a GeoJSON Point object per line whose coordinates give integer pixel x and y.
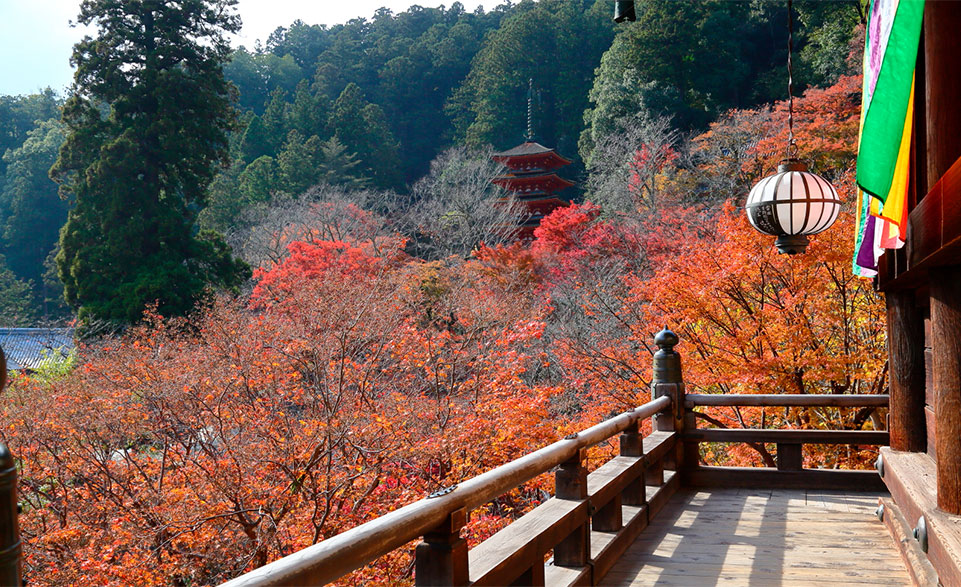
{"type": "Point", "coordinates": [884, 120]}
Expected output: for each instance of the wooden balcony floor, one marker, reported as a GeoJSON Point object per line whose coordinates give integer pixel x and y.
{"type": "Point", "coordinates": [757, 537]}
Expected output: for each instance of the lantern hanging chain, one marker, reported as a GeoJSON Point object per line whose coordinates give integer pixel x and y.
{"type": "Point", "coordinates": [791, 143]}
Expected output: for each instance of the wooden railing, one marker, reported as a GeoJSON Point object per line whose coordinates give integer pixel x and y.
{"type": "Point", "coordinates": [789, 470]}
{"type": "Point", "coordinates": [587, 525]}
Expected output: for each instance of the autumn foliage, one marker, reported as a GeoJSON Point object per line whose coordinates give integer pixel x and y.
{"type": "Point", "coordinates": [356, 378]}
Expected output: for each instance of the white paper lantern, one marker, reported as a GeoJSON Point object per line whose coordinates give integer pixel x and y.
{"type": "Point", "coordinates": [792, 204]}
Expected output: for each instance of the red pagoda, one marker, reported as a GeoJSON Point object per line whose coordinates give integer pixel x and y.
{"type": "Point", "coordinates": [531, 178]}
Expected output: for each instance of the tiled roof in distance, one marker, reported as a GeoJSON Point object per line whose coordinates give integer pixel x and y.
{"type": "Point", "coordinates": [30, 348]}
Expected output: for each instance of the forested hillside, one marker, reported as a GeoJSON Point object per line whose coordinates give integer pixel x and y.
{"type": "Point", "coordinates": [370, 103]}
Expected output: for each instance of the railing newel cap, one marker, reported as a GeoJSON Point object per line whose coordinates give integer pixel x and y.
{"type": "Point", "coordinates": [666, 339]}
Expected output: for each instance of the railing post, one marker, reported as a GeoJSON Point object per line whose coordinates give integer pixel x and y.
{"type": "Point", "coordinates": [441, 559]}
{"type": "Point", "coordinates": [668, 381]}
{"type": "Point", "coordinates": [608, 518]}
{"type": "Point", "coordinates": [789, 457]}
{"type": "Point", "coordinates": [570, 482]}
{"type": "Point", "coordinates": [632, 445]}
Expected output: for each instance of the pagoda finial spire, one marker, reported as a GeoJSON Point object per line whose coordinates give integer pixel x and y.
{"type": "Point", "coordinates": [530, 110]}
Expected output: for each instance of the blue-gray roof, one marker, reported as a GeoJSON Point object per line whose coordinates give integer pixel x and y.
{"type": "Point", "coordinates": [30, 348]}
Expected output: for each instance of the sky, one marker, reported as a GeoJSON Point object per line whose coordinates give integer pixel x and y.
{"type": "Point", "coordinates": [36, 37]}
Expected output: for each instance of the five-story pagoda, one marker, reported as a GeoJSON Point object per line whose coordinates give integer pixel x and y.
{"type": "Point", "coordinates": [532, 179]}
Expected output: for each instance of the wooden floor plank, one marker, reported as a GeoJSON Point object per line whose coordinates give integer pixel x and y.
{"type": "Point", "coordinates": [763, 537]}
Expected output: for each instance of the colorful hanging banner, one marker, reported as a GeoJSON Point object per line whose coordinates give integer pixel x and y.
{"type": "Point", "coordinates": [884, 144]}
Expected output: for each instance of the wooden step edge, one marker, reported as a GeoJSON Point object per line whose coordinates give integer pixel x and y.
{"type": "Point", "coordinates": [919, 567]}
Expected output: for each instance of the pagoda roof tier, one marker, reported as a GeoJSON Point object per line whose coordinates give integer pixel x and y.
{"type": "Point", "coordinates": [542, 198]}
{"type": "Point", "coordinates": [531, 155]}
{"type": "Point", "coordinates": [541, 202]}
{"type": "Point", "coordinates": [519, 183]}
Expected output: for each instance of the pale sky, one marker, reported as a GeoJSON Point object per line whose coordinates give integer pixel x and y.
{"type": "Point", "coordinates": [36, 38]}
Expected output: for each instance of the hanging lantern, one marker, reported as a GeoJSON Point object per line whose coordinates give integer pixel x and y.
{"type": "Point", "coordinates": [793, 203]}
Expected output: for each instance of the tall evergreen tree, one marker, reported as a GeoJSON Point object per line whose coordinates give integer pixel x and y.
{"type": "Point", "coordinates": [146, 130]}
{"type": "Point", "coordinates": [362, 128]}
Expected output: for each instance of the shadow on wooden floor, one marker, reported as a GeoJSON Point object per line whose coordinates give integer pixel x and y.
{"type": "Point", "coordinates": [763, 538]}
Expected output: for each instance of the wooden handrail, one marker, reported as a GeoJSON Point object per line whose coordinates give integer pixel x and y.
{"type": "Point", "coordinates": [787, 436]}
{"type": "Point", "coordinates": [334, 557]}
{"type": "Point", "coordinates": [792, 400]}
{"type": "Point", "coordinates": [789, 471]}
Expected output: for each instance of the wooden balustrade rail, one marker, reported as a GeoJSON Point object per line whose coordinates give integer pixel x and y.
{"type": "Point", "coordinates": [781, 400]}
{"type": "Point", "coordinates": [789, 458]}
{"type": "Point", "coordinates": [439, 519]}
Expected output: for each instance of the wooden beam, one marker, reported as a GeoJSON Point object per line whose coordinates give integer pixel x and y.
{"type": "Point", "coordinates": [934, 235]}
{"type": "Point", "coordinates": [786, 400]}
{"type": "Point", "coordinates": [907, 371]}
{"type": "Point", "coordinates": [767, 478]}
{"type": "Point", "coordinates": [946, 348]}
{"type": "Point", "coordinates": [787, 436]}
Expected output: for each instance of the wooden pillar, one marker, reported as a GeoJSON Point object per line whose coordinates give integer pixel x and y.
{"type": "Point", "coordinates": [632, 445]}
{"type": "Point", "coordinates": [441, 559]}
{"type": "Point", "coordinates": [571, 483]}
{"type": "Point", "coordinates": [946, 348]}
{"type": "Point", "coordinates": [906, 369]}
{"type": "Point", "coordinates": [942, 73]}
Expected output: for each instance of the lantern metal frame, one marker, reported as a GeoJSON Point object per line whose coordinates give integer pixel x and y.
{"type": "Point", "coordinates": [772, 204]}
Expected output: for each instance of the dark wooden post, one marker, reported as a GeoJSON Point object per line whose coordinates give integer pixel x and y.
{"type": "Point", "coordinates": [632, 445]}
{"type": "Point", "coordinates": [946, 348]}
{"type": "Point", "coordinates": [789, 457]}
{"type": "Point", "coordinates": [906, 368]}
{"type": "Point", "coordinates": [571, 483]}
{"type": "Point", "coordinates": [441, 559]}
{"type": "Point", "coordinates": [10, 550]}
{"type": "Point", "coordinates": [667, 381]}
{"type": "Point", "coordinates": [10, 572]}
